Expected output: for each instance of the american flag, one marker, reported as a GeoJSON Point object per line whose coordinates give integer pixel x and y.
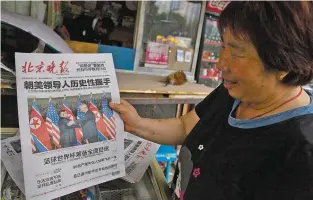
{"type": "Point", "coordinates": [79, 114]}
{"type": "Point", "coordinates": [79, 132]}
{"type": "Point", "coordinates": [52, 121]}
{"type": "Point", "coordinates": [108, 117]}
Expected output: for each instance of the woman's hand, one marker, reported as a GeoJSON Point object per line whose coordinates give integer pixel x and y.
{"type": "Point", "coordinates": [128, 114]}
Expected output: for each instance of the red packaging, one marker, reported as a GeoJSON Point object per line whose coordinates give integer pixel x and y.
{"type": "Point", "coordinates": [157, 53]}
{"type": "Point", "coordinates": [216, 7]}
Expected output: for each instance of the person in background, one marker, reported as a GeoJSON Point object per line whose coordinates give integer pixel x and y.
{"type": "Point", "coordinates": [90, 29]}
{"type": "Point", "coordinates": [252, 137]}
{"type": "Point", "coordinates": [68, 134]}
{"type": "Point", "coordinates": [88, 124]}
{"type": "Point", "coordinates": [109, 28]}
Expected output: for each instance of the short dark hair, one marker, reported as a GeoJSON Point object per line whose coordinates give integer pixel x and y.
{"type": "Point", "coordinates": [61, 112]}
{"type": "Point", "coordinates": [281, 32]}
{"type": "Point", "coordinates": [84, 103]}
{"type": "Point", "coordinates": [107, 23]}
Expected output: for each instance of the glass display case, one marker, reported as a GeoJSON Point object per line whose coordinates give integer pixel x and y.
{"type": "Point", "coordinates": [207, 72]}
{"type": "Point", "coordinates": [168, 36]}
{"type": "Point", "coordinates": [210, 46]}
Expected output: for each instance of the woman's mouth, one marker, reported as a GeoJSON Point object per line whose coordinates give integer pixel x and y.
{"type": "Point", "coordinates": [228, 84]}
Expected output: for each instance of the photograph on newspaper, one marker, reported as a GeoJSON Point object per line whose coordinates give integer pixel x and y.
{"type": "Point", "coordinates": [70, 137]}
{"type": "Point", "coordinates": [70, 121]}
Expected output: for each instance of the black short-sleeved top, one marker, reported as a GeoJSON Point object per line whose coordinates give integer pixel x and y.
{"type": "Point", "coordinates": [220, 161]}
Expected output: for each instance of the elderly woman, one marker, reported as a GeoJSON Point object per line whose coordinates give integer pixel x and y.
{"type": "Point", "coordinates": [252, 137]}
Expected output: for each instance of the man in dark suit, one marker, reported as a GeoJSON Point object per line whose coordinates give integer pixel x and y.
{"type": "Point", "coordinates": [90, 29]}
{"type": "Point", "coordinates": [68, 134]}
{"type": "Point", "coordinates": [88, 124]}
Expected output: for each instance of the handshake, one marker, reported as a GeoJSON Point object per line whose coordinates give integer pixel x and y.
{"type": "Point", "coordinates": [70, 123]}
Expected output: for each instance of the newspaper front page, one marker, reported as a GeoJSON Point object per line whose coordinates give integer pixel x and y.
{"type": "Point", "coordinates": [70, 137]}
{"type": "Point", "coordinates": [138, 156]}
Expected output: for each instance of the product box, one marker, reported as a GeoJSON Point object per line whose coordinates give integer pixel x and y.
{"type": "Point", "coordinates": [157, 53]}
{"type": "Point", "coordinates": [180, 58]}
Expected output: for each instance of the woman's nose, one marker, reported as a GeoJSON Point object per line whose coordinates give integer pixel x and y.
{"type": "Point", "coordinates": [223, 64]}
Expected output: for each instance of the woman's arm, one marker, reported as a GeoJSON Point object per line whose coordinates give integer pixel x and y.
{"type": "Point", "coordinates": [171, 131]}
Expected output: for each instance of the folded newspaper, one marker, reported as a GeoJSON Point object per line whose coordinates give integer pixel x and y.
{"type": "Point", "coordinates": [70, 138]}
{"type": "Point", "coordinates": [138, 156]}
{"type": "Point", "coordinates": [12, 160]}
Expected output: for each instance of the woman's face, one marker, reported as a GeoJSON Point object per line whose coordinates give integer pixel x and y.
{"type": "Point", "coordinates": [244, 75]}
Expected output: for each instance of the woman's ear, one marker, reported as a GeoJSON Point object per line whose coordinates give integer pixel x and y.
{"type": "Point", "coordinates": [281, 75]}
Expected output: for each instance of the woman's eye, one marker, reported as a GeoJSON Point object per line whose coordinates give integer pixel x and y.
{"type": "Point", "coordinates": [236, 55]}
{"type": "Point", "coordinates": [232, 54]}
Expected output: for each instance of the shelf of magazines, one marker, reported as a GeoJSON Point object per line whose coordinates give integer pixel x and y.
{"type": "Point", "coordinates": [152, 185]}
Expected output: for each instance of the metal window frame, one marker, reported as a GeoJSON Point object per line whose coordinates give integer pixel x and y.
{"type": "Point", "coordinates": [164, 72]}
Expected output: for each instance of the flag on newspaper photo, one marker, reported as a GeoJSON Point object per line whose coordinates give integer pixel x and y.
{"type": "Point", "coordinates": [52, 121]}
{"type": "Point", "coordinates": [108, 117]}
{"type": "Point", "coordinates": [102, 132]}
{"type": "Point", "coordinates": [39, 130]}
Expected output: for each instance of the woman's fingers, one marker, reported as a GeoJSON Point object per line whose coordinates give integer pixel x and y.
{"type": "Point", "coordinates": [122, 107]}
{"type": "Point", "coordinates": [124, 102]}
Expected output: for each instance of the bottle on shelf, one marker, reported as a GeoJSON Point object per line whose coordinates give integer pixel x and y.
{"type": "Point", "coordinates": [212, 56]}
{"type": "Point", "coordinates": [159, 38]}
{"type": "Point", "coordinates": [204, 72]}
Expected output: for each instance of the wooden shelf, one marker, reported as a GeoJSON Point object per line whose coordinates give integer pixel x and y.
{"type": "Point", "coordinates": [205, 77]}
{"type": "Point", "coordinates": [149, 84]}
{"type": "Point", "coordinates": [218, 44]}
{"type": "Point", "coordinates": [210, 61]}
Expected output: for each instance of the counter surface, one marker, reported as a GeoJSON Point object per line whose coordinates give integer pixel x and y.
{"type": "Point", "coordinates": [140, 83]}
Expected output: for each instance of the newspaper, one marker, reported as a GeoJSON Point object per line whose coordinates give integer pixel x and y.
{"type": "Point", "coordinates": [12, 160]}
{"type": "Point", "coordinates": [9, 190]}
{"type": "Point", "coordinates": [138, 156]}
{"type": "Point", "coordinates": [70, 137]}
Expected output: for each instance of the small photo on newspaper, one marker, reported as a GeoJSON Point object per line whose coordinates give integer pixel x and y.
{"type": "Point", "coordinates": [70, 137]}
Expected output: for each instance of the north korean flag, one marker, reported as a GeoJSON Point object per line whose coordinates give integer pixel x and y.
{"type": "Point", "coordinates": [38, 129]}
